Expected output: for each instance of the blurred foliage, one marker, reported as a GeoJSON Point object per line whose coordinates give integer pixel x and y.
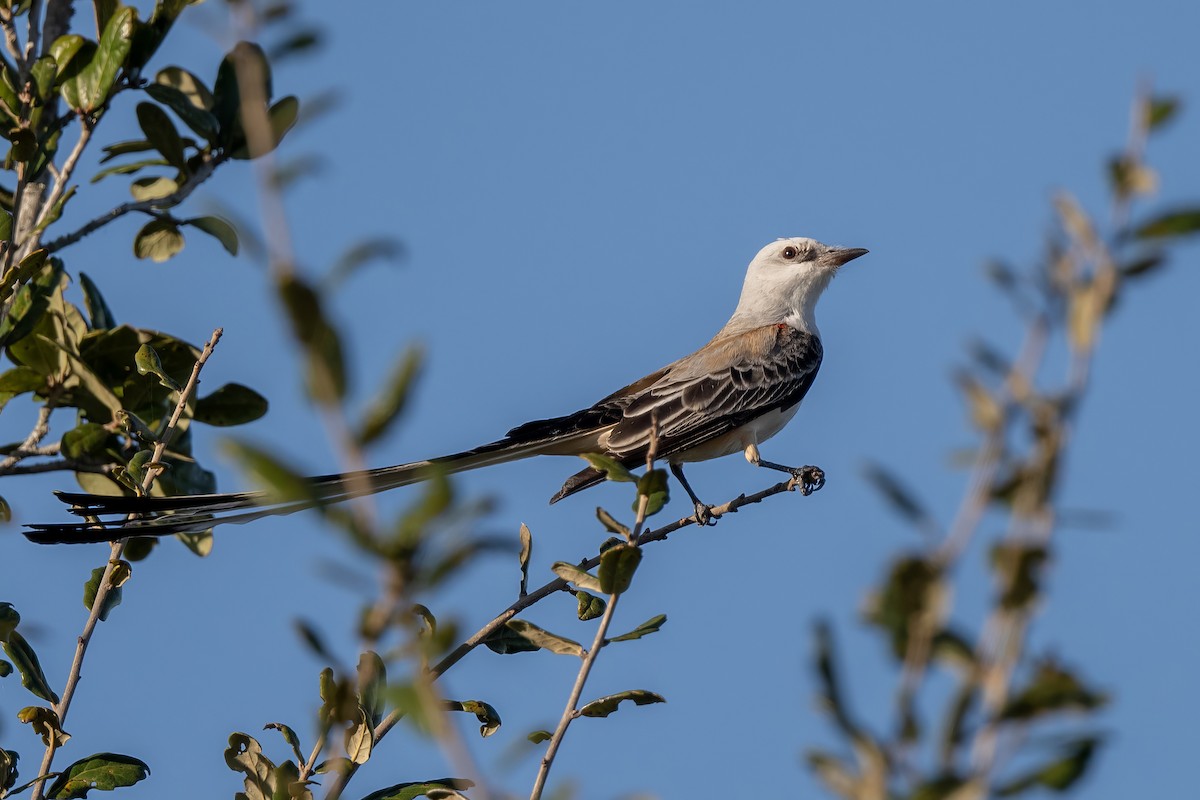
{"type": "Point", "coordinates": [982, 741]}
{"type": "Point", "coordinates": [108, 391]}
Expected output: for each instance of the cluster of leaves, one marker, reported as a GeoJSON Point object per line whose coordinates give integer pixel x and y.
{"type": "Point", "coordinates": [103, 771]}
{"type": "Point", "coordinates": [983, 745]}
{"type": "Point", "coordinates": [106, 396]}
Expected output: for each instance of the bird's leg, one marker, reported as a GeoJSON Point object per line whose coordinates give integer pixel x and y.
{"type": "Point", "coordinates": [703, 511]}
{"type": "Point", "coordinates": [808, 478]}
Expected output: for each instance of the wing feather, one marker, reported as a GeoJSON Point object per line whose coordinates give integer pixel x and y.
{"type": "Point", "coordinates": [716, 390]}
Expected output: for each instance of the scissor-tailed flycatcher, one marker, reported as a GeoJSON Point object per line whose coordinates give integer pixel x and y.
{"type": "Point", "coordinates": [732, 394]}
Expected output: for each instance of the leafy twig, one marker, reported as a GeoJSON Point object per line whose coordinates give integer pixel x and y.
{"type": "Point", "coordinates": [62, 178]}
{"type": "Point", "coordinates": [105, 585]}
{"type": "Point", "coordinates": [175, 198]}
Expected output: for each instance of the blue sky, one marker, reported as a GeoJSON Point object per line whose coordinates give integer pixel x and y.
{"type": "Point", "coordinates": [578, 189]}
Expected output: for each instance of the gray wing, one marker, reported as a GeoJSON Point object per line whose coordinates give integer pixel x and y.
{"type": "Point", "coordinates": [727, 384]}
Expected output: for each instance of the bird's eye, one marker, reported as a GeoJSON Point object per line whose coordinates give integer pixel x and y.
{"type": "Point", "coordinates": [790, 252]}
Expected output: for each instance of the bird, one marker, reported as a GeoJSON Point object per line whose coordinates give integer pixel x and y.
{"type": "Point", "coordinates": [730, 396]}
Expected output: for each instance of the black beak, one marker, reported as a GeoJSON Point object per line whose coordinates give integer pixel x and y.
{"type": "Point", "coordinates": [840, 255]}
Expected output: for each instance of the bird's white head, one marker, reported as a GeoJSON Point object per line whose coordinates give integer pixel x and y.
{"type": "Point", "coordinates": [784, 281]}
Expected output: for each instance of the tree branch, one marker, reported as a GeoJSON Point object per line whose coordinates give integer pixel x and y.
{"type": "Point", "coordinates": [338, 782]}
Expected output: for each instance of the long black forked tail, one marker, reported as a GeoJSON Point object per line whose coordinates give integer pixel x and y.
{"type": "Point", "coordinates": [112, 518]}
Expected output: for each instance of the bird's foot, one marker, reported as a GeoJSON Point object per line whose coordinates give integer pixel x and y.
{"type": "Point", "coordinates": [704, 516]}
{"type": "Point", "coordinates": [807, 479]}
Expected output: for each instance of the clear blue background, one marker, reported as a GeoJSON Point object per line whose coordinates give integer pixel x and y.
{"type": "Point", "coordinates": [579, 188]}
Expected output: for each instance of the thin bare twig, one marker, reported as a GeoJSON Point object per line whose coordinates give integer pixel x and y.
{"type": "Point", "coordinates": [571, 712]}
{"type": "Point", "coordinates": [11, 42]}
{"type": "Point", "coordinates": [105, 586]}
{"type": "Point", "coordinates": [40, 428]}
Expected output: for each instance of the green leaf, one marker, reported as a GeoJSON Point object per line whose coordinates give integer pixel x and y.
{"type": "Point", "coordinates": [610, 523]}
{"type": "Point", "coordinates": [103, 771]}
{"type": "Point", "coordinates": [187, 84]}
{"type": "Point", "coordinates": [26, 662]}
{"type": "Point", "coordinates": [121, 573]}
{"type": "Point", "coordinates": [30, 303]}
{"type": "Point", "coordinates": [125, 148]}
{"type": "Point", "coordinates": [282, 483]}
{"type": "Point", "coordinates": [372, 681]}
{"type": "Point", "coordinates": [288, 735]}
{"type": "Point", "coordinates": [646, 628]}
{"type": "Point", "coordinates": [232, 404]}
{"type": "Point", "coordinates": [1180, 222]}
{"type": "Point", "coordinates": [64, 50]}
{"type": "Point", "coordinates": [1058, 775]}
{"type": "Point", "coordinates": [505, 641]}
{"type": "Point", "coordinates": [899, 496]}
{"type": "Point", "coordinates": [161, 133]}
{"type": "Point", "coordinates": [45, 723]}
{"type": "Point", "coordinates": [411, 791]}
{"type": "Point", "coordinates": [18, 381]}
{"type": "Point", "coordinates": [488, 717]}
{"type": "Point", "coordinates": [588, 606]}
{"type": "Point", "coordinates": [154, 188]}
{"type": "Point", "coordinates": [653, 486]}
{"type": "Point", "coordinates": [89, 89]}
{"type": "Point", "coordinates": [99, 315]}
{"type": "Point", "coordinates": [8, 768]}
{"type": "Point", "coordinates": [219, 229]}
{"type": "Point", "coordinates": [147, 362]}
{"type": "Point", "coordinates": [912, 590]}
{"type": "Point", "coordinates": [9, 619]}
{"type": "Point", "coordinates": [1142, 265]}
{"type": "Point", "coordinates": [6, 669]}
{"type": "Point", "coordinates": [830, 698]}
{"type": "Point", "coordinates": [23, 146]}
{"type": "Point", "coordinates": [613, 470]}
{"type": "Point", "coordinates": [617, 567]}
{"type": "Point", "coordinates": [1162, 110]}
{"type": "Point", "coordinates": [1018, 567]}
{"type": "Point", "coordinates": [326, 364]}
{"type": "Point", "coordinates": [86, 441]}
{"type": "Point", "coordinates": [560, 645]}
{"type": "Point", "coordinates": [576, 575]}
{"type": "Point", "coordinates": [1052, 689]}
{"type": "Point", "coordinates": [158, 240]}
{"type": "Point", "coordinates": [362, 253]}
{"type": "Point", "coordinates": [537, 737]}
{"type": "Point", "coordinates": [389, 404]}
{"type": "Point", "coordinates": [44, 72]}
{"type": "Point", "coordinates": [95, 388]}
{"type": "Point", "coordinates": [282, 118]}
{"type": "Point", "coordinates": [200, 120]}
{"type": "Point", "coordinates": [607, 705]}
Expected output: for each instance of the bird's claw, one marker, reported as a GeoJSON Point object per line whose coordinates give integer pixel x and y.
{"type": "Point", "coordinates": [808, 479]}
{"type": "Point", "coordinates": [704, 516]}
